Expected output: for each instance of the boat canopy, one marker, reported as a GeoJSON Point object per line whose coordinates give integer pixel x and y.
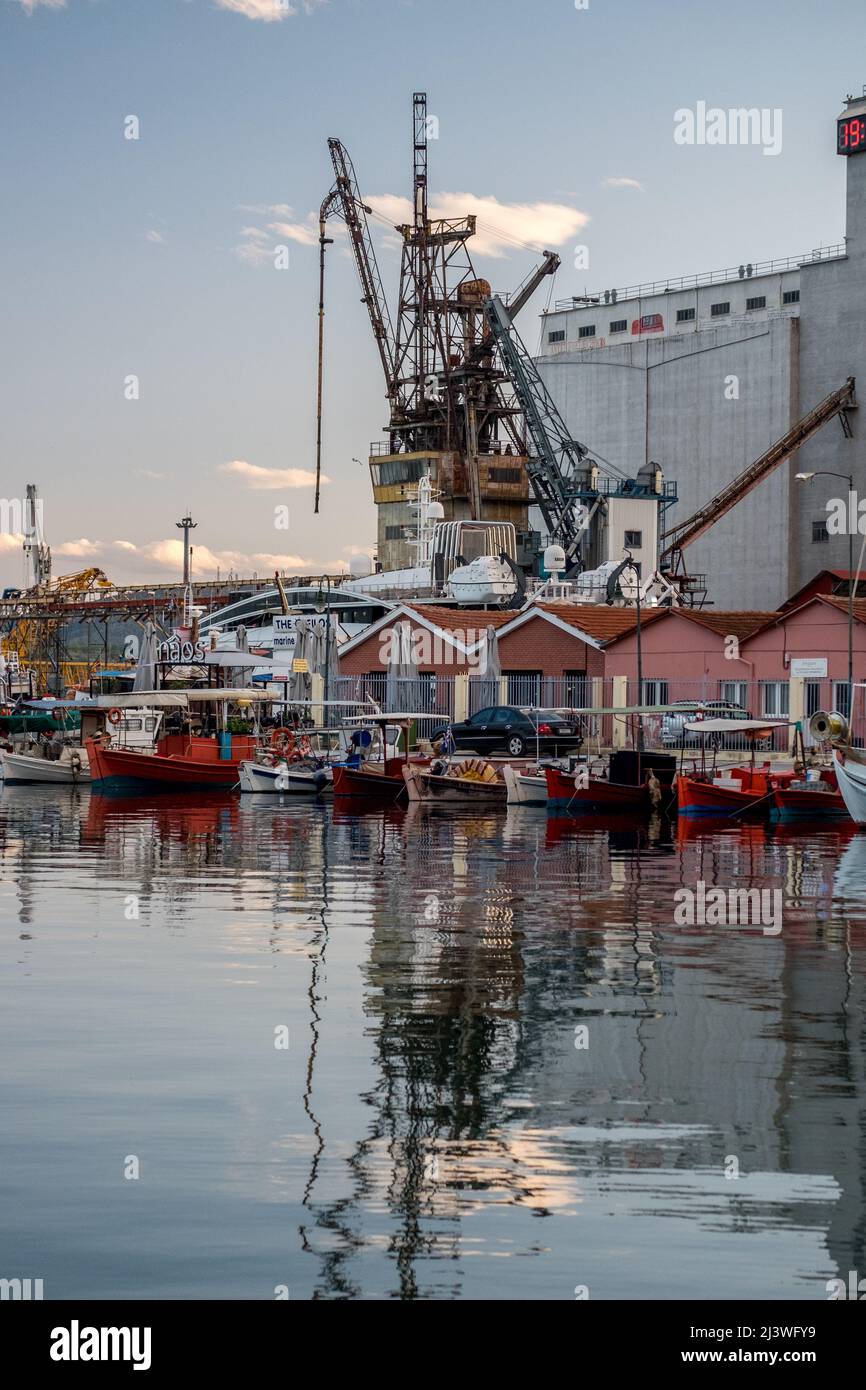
{"type": "Point", "coordinates": [735, 726]}
{"type": "Point", "coordinates": [180, 699]}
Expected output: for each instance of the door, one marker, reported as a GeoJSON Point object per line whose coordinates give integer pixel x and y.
{"type": "Point", "coordinates": [479, 731]}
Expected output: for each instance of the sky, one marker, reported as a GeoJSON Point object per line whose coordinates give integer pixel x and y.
{"type": "Point", "coordinates": [154, 358]}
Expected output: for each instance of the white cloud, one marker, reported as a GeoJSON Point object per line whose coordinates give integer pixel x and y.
{"type": "Point", "coordinates": [622, 183]}
{"type": "Point", "coordinates": [270, 479]}
{"type": "Point", "coordinates": [501, 226]}
{"type": "Point", "coordinates": [167, 555]}
{"type": "Point", "coordinates": [10, 542]}
{"type": "Point", "coordinates": [80, 550]}
{"type": "Point", "coordinates": [30, 5]}
{"type": "Point", "coordinates": [154, 236]}
{"type": "Point", "coordinates": [305, 233]}
{"type": "Point", "coordinates": [258, 244]}
{"type": "Point", "coordinates": [267, 10]}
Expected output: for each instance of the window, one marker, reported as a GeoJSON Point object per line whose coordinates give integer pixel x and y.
{"type": "Point", "coordinates": [685, 315]}
{"type": "Point", "coordinates": [654, 693]}
{"type": "Point", "coordinates": [791, 297]}
{"type": "Point", "coordinates": [504, 475]}
{"type": "Point", "coordinates": [395, 533]}
{"type": "Point", "coordinates": [524, 688]}
{"type": "Point", "coordinates": [619, 326]}
{"type": "Point", "coordinates": [557, 336]}
{"type": "Point", "coordinates": [717, 310]}
{"type": "Point", "coordinates": [588, 331]}
{"type": "Point", "coordinates": [820, 534]}
{"type": "Point", "coordinates": [633, 540]}
{"type": "Point", "coordinates": [735, 693]}
{"type": "Point", "coordinates": [577, 689]}
{"type": "Point", "coordinates": [840, 698]}
{"type": "Point", "coordinates": [813, 698]}
{"type": "Point", "coordinates": [759, 302]}
{"type": "Point", "coordinates": [774, 700]}
{"type": "Point", "coordinates": [484, 716]}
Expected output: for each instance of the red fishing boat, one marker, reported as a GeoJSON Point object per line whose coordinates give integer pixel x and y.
{"type": "Point", "coordinates": [180, 762]}
{"type": "Point", "coordinates": [731, 789]}
{"type": "Point", "coordinates": [627, 786]}
{"type": "Point", "coordinates": [812, 797]}
{"type": "Point", "coordinates": [379, 780]}
{"type": "Point", "coordinates": [722, 791]}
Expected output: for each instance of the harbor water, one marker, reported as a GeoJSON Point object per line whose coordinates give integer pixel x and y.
{"type": "Point", "coordinates": [259, 1048]}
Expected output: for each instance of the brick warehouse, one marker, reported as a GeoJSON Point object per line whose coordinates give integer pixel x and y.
{"type": "Point", "coordinates": [549, 639]}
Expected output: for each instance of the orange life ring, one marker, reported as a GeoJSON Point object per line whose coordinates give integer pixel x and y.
{"type": "Point", "coordinates": [284, 739]}
{"type": "Point", "coordinates": [114, 715]}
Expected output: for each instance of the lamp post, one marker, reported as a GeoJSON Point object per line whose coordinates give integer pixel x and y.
{"type": "Point", "coordinates": [852, 577]}
{"type": "Point", "coordinates": [613, 589]}
{"type": "Point", "coordinates": [323, 605]}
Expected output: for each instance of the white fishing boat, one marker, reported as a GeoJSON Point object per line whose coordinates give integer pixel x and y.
{"type": "Point", "coordinates": [525, 788]}
{"type": "Point", "coordinates": [851, 780]}
{"type": "Point", "coordinates": [64, 761]}
{"type": "Point", "coordinates": [293, 779]}
{"type": "Point", "coordinates": [849, 763]}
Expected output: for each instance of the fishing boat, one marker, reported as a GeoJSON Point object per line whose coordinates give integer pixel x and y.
{"type": "Point", "coordinates": [187, 760]}
{"type": "Point", "coordinates": [525, 788]}
{"type": "Point", "coordinates": [812, 797]}
{"type": "Point", "coordinates": [380, 779]}
{"type": "Point", "coordinates": [850, 769]}
{"type": "Point", "coordinates": [718, 791]}
{"type": "Point", "coordinates": [634, 780]}
{"type": "Point", "coordinates": [63, 759]}
{"type": "Point", "coordinates": [307, 778]}
{"type": "Point", "coordinates": [470, 782]}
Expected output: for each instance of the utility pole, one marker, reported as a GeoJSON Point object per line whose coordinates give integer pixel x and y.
{"type": "Point", "coordinates": [186, 524]}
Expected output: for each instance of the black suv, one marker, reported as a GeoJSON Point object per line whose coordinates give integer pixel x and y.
{"type": "Point", "coordinates": [507, 729]}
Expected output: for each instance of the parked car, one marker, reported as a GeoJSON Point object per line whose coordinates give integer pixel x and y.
{"type": "Point", "coordinates": [508, 729]}
{"type": "Point", "coordinates": [673, 725]}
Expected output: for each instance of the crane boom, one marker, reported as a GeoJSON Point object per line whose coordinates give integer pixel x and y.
{"type": "Point", "coordinates": [354, 212]}
{"type": "Point", "coordinates": [558, 463]}
{"type": "Point", "coordinates": [688, 531]}
{"type": "Point", "coordinates": [345, 198]}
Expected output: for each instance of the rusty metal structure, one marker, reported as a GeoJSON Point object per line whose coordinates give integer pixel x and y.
{"type": "Point", "coordinates": [452, 412]}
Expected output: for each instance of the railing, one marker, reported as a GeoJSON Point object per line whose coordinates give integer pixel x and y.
{"type": "Point", "coordinates": [691, 282]}
{"type": "Point", "coordinates": [580, 692]}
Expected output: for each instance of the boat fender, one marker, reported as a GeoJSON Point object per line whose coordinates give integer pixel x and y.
{"type": "Point", "coordinates": [75, 763]}
{"type": "Point", "coordinates": [114, 715]}
{"type": "Point", "coordinates": [320, 780]}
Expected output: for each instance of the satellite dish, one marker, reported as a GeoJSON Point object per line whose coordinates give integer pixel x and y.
{"type": "Point", "coordinates": [360, 566]}
{"type": "Point", "coordinates": [435, 512]}
{"type": "Point", "coordinates": [554, 560]}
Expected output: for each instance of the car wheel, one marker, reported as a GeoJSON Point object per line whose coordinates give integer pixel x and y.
{"type": "Point", "coordinates": [516, 746]}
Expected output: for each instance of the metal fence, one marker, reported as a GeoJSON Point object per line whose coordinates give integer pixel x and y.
{"type": "Point", "coordinates": [711, 698]}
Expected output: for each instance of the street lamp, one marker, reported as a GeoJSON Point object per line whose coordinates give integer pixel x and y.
{"type": "Point", "coordinates": [853, 578]}
{"type": "Point", "coordinates": [613, 589]}
{"type": "Point", "coordinates": [323, 605]}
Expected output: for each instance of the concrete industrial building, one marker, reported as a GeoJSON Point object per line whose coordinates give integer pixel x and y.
{"type": "Point", "coordinates": [702, 374]}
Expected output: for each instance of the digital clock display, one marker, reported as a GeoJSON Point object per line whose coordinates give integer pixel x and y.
{"type": "Point", "coordinates": [851, 135]}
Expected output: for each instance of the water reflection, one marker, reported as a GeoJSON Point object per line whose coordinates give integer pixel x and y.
{"type": "Point", "coordinates": [441, 1126]}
